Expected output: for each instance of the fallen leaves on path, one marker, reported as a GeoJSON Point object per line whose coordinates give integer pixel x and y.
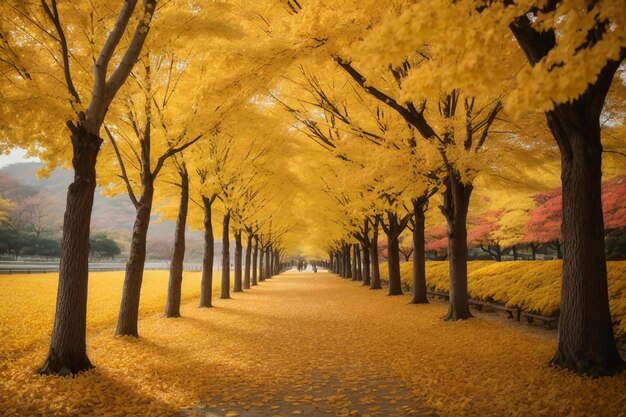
{"type": "Point", "coordinates": [299, 342]}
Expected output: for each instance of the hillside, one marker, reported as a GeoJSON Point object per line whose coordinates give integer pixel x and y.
{"type": "Point", "coordinates": [113, 215]}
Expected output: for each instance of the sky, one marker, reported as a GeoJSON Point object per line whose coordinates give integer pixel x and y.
{"type": "Point", "coordinates": [16, 155]}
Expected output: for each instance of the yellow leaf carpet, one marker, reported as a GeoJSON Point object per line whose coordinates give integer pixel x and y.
{"type": "Point", "coordinates": [298, 344]}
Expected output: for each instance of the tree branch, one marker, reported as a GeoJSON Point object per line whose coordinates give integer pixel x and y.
{"type": "Point", "coordinates": [53, 15]}
{"type": "Point", "coordinates": [171, 152]}
{"type": "Point", "coordinates": [413, 116]}
{"type": "Point", "coordinates": [129, 188]}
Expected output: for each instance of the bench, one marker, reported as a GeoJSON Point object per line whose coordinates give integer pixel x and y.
{"type": "Point", "coordinates": [436, 294]}
{"type": "Point", "coordinates": [513, 312]}
{"type": "Point", "coordinates": [547, 321]}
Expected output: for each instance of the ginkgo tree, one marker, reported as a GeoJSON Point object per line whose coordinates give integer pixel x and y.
{"type": "Point", "coordinates": [157, 120]}
{"type": "Point", "coordinates": [573, 49]}
{"type": "Point", "coordinates": [70, 62]}
{"type": "Point", "coordinates": [328, 109]}
{"type": "Point", "coordinates": [457, 124]}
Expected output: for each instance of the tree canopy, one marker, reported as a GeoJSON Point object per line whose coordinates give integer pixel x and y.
{"type": "Point", "coordinates": [311, 127]}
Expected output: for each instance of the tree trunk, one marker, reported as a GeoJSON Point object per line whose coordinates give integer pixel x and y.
{"type": "Point", "coordinates": [275, 266]}
{"type": "Point", "coordinates": [359, 265]}
{"type": "Point", "coordinates": [270, 263]}
{"type": "Point", "coordinates": [261, 268]}
{"type": "Point", "coordinates": [206, 286]}
{"type": "Point", "coordinates": [255, 257]}
{"type": "Point", "coordinates": [347, 261]}
{"type": "Point", "coordinates": [393, 262]}
{"type": "Point", "coordinates": [129, 306]}
{"type": "Point", "coordinates": [586, 342]}
{"type": "Point", "coordinates": [456, 202]}
{"type": "Point", "coordinates": [268, 273]}
{"type": "Point", "coordinates": [514, 249]}
{"type": "Point", "coordinates": [225, 290]}
{"type": "Point", "coordinates": [533, 251]}
{"type": "Point", "coordinates": [367, 278]}
{"type": "Point", "coordinates": [393, 253]}
{"type": "Point", "coordinates": [354, 262]}
{"type": "Point", "coordinates": [172, 305]}
{"type": "Point", "coordinates": [340, 262]}
{"type": "Point", "coordinates": [557, 246]}
{"type": "Point", "coordinates": [276, 262]}
{"type": "Point", "coordinates": [67, 353]}
{"type": "Point", "coordinates": [238, 284]}
{"type": "Point", "coordinates": [419, 256]}
{"type": "Point", "coordinates": [375, 284]}
{"type": "Point", "coordinates": [246, 275]}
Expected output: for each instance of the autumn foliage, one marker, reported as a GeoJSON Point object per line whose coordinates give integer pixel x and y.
{"type": "Point", "coordinates": [530, 286]}
{"type": "Point", "coordinates": [234, 359]}
{"type": "Point", "coordinates": [544, 221]}
{"type": "Point", "coordinates": [325, 129]}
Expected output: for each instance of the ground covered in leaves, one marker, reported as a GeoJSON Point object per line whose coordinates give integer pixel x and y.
{"type": "Point", "coordinates": [533, 286]}
{"type": "Point", "coordinates": [298, 344]}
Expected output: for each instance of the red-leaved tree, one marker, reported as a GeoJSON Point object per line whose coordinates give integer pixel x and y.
{"type": "Point", "coordinates": [544, 221]}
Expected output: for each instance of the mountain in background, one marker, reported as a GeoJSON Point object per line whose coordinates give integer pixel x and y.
{"type": "Point", "coordinates": [112, 215]}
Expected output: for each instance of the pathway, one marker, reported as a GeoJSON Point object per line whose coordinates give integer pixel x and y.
{"type": "Point", "coordinates": [300, 344]}
{"type": "Point", "coordinates": [312, 338]}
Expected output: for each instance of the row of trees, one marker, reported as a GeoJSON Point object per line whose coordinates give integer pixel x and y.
{"type": "Point", "coordinates": [407, 104]}
{"type": "Point", "coordinates": [535, 221]}
{"type": "Point", "coordinates": [138, 108]}
{"type": "Point", "coordinates": [434, 98]}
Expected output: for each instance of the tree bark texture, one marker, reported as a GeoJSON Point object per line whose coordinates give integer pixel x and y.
{"type": "Point", "coordinates": [238, 284]}
{"type": "Point", "coordinates": [367, 278]}
{"type": "Point", "coordinates": [255, 257]}
{"type": "Point", "coordinates": [375, 284]}
{"type": "Point", "coordinates": [270, 261]}
{"type": "Point", "coordinates": [455, 205]}
{"type": "Point", "coordinates": [419, 255]}
{"type": "Point", "coordinates": [347, 261]}
{"type": "Point", "coordinates": [393, 254]}
{"type": "Point", "coordinates": [261, 264]}
{"type": "Point", "coordinates": [225, 290]}
{"type": "Point", "coordinates": [172, 305]}
{"type": "Point", "coordinates": [359, 265]}
{"type": "Point", "coordinates": [133, 278]}
{"type": "Point", "coordinates": [276, 262]}
{"type": "Point", "coordinates": [206, 285]}
{"type": "Point", "coordinates": [246, 274]}
{"type": "Point", "coordinates": [268, 273]}
{"type": "Point", "coordinates": [393, 263]}
{"type": "Point", "coordinates": [68, 353]}
{"type": "Point", "coordinates": [354, 261]}
{"type": "Point", "coordinates": [586, 342]}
